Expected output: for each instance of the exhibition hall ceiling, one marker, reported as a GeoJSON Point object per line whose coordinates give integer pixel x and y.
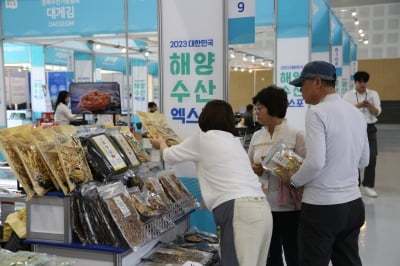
{"type": "Point", "coordinates": [145, 45]}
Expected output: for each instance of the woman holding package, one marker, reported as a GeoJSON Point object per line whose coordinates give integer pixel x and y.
{"type": "Point", "coordinates": [271, 104]}
{"type": "Point", "coordinates": [229, 187]}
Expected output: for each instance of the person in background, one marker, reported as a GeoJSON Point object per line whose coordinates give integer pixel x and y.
{"type": "Point", "coordinates": [332, 210]}
{"type": "Point", "coordinates": [229, 187]}
{"type": "Point", "coordinates": [271, 106]}
{"type": "Point", "coordinates": [62, 114]}
{"type": "Point", "coordinates": [369, 103]}
{"type": "Point", "coordinates": [152, 107]}
{"type": "Point", "coordinates": [248, 118]}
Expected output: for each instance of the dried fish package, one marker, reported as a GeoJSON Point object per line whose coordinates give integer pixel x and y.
{"type": "Point", "coordinates": [14, 160]}
{"type": "Point", "coordinates": [35, 165]}
{"type": "Point", "coordinates": [124, 213]}
{"type": "Point", "coordinates": [45, 143]}
{"type": "Point", "coordinates": [72, 156]}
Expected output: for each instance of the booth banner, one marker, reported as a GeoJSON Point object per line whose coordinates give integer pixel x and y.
{"type": "Point", "coordinates": [346, 63]}
{"type": "Point", "coordinates": [289, 65]}
{"type": "Point", "coordinates": [320, 43]}
{"type": "Point", "coordinates": [57, 56]}
{"type": "Point", "coordinates": [139, 85]}
{"type": "Point", "coordinates": [17, 53]}
{"type": "Point", "coordinates": [115, 63]}
{"type": "Point", "coordinates": [241, 22]}
{"type": "Point", "coordinates": [39, 18]}
{"type": "Point", "coordinates": [192, 60]}
{"type": "Point", "coordinates": [57, 81]}
{"type": "Point", "coordinates": [353, 63]}
{"type": "Point", "coordinates": [292, 53]}
{"type": "Point", "coordinates": [17, 87]}
{"type": "Point", "coordinates": [337, 49]}
{"type": "Point", "coordinates": [265, 13]}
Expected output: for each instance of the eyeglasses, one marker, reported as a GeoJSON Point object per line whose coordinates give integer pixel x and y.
{"type": "Point", "coordinates": [258, 108]}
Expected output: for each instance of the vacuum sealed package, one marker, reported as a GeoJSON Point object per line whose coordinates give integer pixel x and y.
{"type": "Point", "coordinates": [124, 213]}
{"type": "Point", "coordinates": [123, 145]}
{"type": "Point", "coordinates": [282, 161]}
{"type": "Point", "coordinates": [104, 157]}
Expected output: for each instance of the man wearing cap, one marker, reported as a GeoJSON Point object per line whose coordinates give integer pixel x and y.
{"type": "Point", "coordinates": [369, 103]}
{"type": "Point", "coordinates": [337, 145]}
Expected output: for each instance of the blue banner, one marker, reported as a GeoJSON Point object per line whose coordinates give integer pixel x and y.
{"type": "Point", "coordinates": [265, 12]}
{"type": "Point", "coordinates": [346, 48]}
{"type": "Point", "coordinates": [17, 53]}
{"type": "Point", "coordinates": [241, 30]}
{"type": "Point", "coordinates": [293, 18]}
{"type": "Point", "coordinates": [56, 82]}
{"type": "Point", "coordinates": [37, 18]}
{"type": "Point", "coordinates": [56, 56]}
{"type": "Point", "coordinates": [320, 26]}
{"type": "Point", "coordinates": [111, 63]}
{"type": "Point", "coordinates": [336, 30]}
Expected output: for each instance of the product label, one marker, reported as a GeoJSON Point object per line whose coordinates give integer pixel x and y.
{"type": "Point", "coordinates": [127, 150]}
{"type": "Point", "coordinates": [109, 151]}
{"type": "Point", "coordinates": [281, 160]}
{"type": "Point", "coordinates": [122, 206]}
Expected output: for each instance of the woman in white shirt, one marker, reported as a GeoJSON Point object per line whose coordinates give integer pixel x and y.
{"type": "Point", "coordinates": [271, 105]}
{"type": "Point", "coordinates": [229, 187]}
{"type": "Point", "coordinates": [63, 115]}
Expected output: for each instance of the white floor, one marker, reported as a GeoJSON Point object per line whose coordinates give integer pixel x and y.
{"type": "Point", "coordinates": [379, 238]}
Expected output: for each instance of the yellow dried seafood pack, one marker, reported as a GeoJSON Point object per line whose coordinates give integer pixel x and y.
{"type": "Point", "coordinates": [14, 160]}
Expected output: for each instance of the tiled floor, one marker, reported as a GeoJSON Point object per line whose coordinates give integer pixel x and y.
{"type": "Point", "coordinates": [380, 236]}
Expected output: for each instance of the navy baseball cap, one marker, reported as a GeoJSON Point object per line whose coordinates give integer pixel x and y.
{"type": "Point", "coordinates": [321, 69]}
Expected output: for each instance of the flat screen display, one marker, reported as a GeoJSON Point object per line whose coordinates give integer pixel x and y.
{"type": "Point", "coordinates": [95, 98]}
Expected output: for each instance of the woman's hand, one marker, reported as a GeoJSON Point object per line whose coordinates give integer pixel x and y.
{"type": "Point", "coordinates": [257, 168]}
{"type": "Point", "coordinates": [158, 144]}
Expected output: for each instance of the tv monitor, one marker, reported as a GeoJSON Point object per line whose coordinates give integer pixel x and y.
{"type": "Point", "coordinates": [95, 98]}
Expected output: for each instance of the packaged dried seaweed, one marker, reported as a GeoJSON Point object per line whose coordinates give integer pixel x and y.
{"type": "Point", "coordinates": [72, 156]}
{"type": "Point", "coordinates": [35, 165]}
{"type": "Point", "coordinates": [45, 143]}
{"type": "Point", "coordinates": [105, 159]}
{"type": "Point", "coordinates": [179, 255]}
{"type": "Point", "coordinates": [14, 160]}
{"type": "Point", "coordinates": [141, 154]}
{"type": "Point", "coordinates": [124, 146]}
{"type": "Point", "coordinates": [124, 214]}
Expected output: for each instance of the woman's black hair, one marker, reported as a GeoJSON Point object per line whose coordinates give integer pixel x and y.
{"type": "Point", "coordinates": [275, 99]}
{"type": "Point", "coordinates": [62, 96]}
{"type": "Point", "coordinates": [217, 115]}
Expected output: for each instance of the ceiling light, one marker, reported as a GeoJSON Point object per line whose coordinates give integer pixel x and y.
{"type": "Point", "coordinates": [123, 50]}
{"type": "Point", "coordinates": [250, 70]}
{"type": "Point", "coordinates": [242, 70]}
{"type": "Point", "coordinates": [244, 57]}
{"type": "Point", "coordinates": [360, 31]}
{"type": "Point", "coordinates": [97, 46]}
{"type": "Point", "coordinates": [365, 41]}
{"type": "Point", "coordinates": [356, 22]}
{"type": "Point", "coordinates": [263, 63]}
{"type": "Point", "coordinates": [253, 59]}
{"type": "Point", "coordinates": [354, 13]}
{"type": "Point", "coordinates": [362, 34]}
{"type": "Point", "coordinates": [235, 69]}
{"type": "Point", "coordinates": [270, 64]}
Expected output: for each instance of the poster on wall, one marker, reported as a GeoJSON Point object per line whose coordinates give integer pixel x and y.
{"type": "Point", "coordinates": [57, 81]}
{"type": "Point", "coordinates": [17, 89]}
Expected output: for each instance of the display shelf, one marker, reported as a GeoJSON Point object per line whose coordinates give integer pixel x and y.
{"type": "Point", "coordinates": [101, 255]}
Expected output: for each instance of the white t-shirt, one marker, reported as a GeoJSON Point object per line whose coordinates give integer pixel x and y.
{"type": "Point", "coordinates": [337, 145]}
{"type": "Point", "coordinates": [371, 96]}
{"type": "Point", "coordinates": [223, 167]}
{"type": "Point", "coordinates": [63, 114]}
